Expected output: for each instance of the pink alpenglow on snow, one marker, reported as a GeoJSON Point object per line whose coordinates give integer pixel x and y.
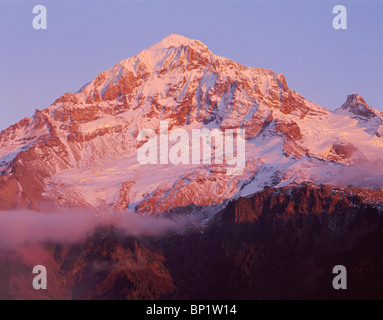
{"type": "Point", "coordinates": [187, 150]}
{"type": "Point", "coordinates": [82, 151]}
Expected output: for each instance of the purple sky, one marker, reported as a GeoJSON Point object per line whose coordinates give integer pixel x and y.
{"type": "Point", "coordinates": [292, 37]}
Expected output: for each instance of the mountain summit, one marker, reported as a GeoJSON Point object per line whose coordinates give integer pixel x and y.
{"type": "Point", "coordinates": [368, 117]}
{"type": "Point", "coordinates": [82, 150]}
{"type": "Point", "coordinates": [175, 40]}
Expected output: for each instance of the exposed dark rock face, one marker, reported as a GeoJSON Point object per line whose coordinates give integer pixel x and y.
{"type": "Point", "coordinates": [277, 244]}
{"type": "Point", "coordinates": [283, 244]}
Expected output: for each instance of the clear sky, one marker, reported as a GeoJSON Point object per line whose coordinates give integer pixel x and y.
{"type": "Point", "coordinates": [85, 37]}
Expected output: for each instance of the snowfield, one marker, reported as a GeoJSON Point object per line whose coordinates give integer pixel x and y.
{"type": "Point", "coordinates": [82, 150]}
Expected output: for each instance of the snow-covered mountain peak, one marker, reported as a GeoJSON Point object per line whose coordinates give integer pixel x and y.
{"type": "Point", "coordinates": [174, 53]}
{"type": "Point", "coordinates": [82, 150]}
{"type": "Point", "coordinates": [176, 40]}
{"type": "Point", "coordinates": [367, 117]}
{"type": "Point", "coordinates": [173, 46]}
{"type": "Point", "coordinates": [355, 104]}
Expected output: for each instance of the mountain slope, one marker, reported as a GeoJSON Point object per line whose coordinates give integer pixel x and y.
{"type": "Point", "coordinates": [281, 243]}
{"type": "Point", "coordinates": [82, 150]}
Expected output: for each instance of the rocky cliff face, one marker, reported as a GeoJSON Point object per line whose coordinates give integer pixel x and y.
{"type": "Point", "coordinates": [282, 244]}
{"type": "Point", "coordinates": [277, 244]}
{"type": "Point", "coordinates": [357, 108]}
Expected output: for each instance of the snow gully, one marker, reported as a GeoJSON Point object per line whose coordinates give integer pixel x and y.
{"type": "Point", "coordinates": [219, 152]}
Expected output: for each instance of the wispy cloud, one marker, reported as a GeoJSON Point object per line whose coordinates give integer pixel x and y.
{"type": "Point", "coordinates": [67, 226]}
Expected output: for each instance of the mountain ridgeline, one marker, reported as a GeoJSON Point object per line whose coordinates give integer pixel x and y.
{"type": "Point", "coordinates": [309, 198]}
{"type": "Point", "coordinates": [271, 245]}
{"type": "Point", "coordinates": [93, 133]}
